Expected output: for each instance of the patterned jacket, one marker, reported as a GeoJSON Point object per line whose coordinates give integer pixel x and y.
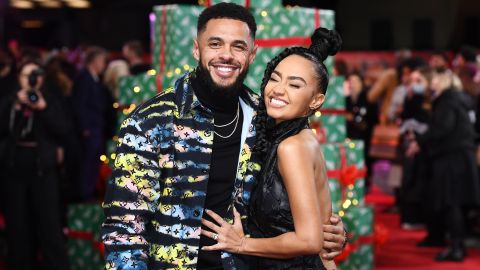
{"type": "Point", "coordinates": [155, 197]}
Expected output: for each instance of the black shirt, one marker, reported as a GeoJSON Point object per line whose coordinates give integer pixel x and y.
{"type": "Point", "coordinates": [223, 167]}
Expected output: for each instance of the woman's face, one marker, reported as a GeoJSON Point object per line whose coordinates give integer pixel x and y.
{"type": "Point", "coordinates": [292, 89]}
{"type": "Point", "coordinates": [418, 82]}
{"type": "Point", "coordinates": [23, 76]}
{"type": "Point", "coordinates": [356, 84]}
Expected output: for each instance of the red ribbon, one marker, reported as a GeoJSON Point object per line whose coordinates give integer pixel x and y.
{"type": "Point", "coordinates": [346, 174]}
{"type": "Point", "coordinates": [318, 22]}
{"type": "Point", "coordinates": [283, 42]}
{"type": "Point", "coordinates": [379, 237]}
{"type": "Point", "coordinates": [87, 236]}
{"type": "Point", "coordinates": [162, 40]}
{"type": "Point", "coordinates": [334, 111]}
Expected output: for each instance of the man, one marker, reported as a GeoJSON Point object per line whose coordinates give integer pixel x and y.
{"type": "Point", "coordinates": [133, 53]}
{"type": "Point", "coordinates": [187, 150]}
{"type": "Point", "coordinates": [92, 109]}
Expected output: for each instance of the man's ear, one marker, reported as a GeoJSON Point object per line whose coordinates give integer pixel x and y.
{"type": "Point", "coordinates": [196, 50]}
{"type": "Point", "coordinates": [253, 54]}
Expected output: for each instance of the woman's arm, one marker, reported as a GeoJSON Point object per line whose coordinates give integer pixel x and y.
{"type": "Point", "coordinates": [296, 165]}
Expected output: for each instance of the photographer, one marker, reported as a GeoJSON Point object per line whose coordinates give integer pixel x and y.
{"type": "Point", "coordinates": [31, 128]}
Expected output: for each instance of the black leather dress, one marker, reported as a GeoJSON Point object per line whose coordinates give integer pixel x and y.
{"type": "Point", "coordinates": [270, 213]}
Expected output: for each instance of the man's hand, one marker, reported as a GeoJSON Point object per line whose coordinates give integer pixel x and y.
{"type": "Point", "coordinates": [334, 238]}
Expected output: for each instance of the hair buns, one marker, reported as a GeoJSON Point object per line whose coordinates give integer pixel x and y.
{"type": "Point", "coordinates": [325, 42]}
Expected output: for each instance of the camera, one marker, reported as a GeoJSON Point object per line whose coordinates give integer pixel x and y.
{"type": "Point", "coordinates": [32, 81]}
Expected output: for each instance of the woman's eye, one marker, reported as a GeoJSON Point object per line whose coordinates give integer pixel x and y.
{"type": "Point", "coordinates": [296, 86]}
{"type": "Point", "coordinates": [273, 79]}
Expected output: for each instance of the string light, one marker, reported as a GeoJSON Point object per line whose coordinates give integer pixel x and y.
{"type": "Point", "coordinates": [264, 13]}
{"type": "Point", "coordinates": [116, 105]}
{"type": "Point", "coordinates": [136, 89]}
{"type": "Point", "coordinates": [113, 156]}
{"type": "Point", "coordinates": [103, 158]}
{"type": "Point", "coordinates": [178, 71]}
{"type": "Point", "coordinates": [341, 213]}
{"type": "Point", "coordinates": [152, 72]}
{"type": "Point", "coordinates": [318, 114]}
{"type": "Point", "coordinates": [186, 67]}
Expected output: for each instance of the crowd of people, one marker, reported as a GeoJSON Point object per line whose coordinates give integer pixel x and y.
{"type": "Point", "coordinates": [57, 113]}
{"type": "Point", "coordinates": [433, 106]}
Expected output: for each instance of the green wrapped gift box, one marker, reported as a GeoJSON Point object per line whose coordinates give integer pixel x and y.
{"type": "Point", "coordinates": [330, 122]}
{"type": "Point", "coordinates": [359, 222]}
{"type": "Point", "coordinates": [84, 222]}
{"type": "Point", "coordinates": [245, 3]}
{"type": "Point", "coordinates": [335, 97]}
{"type": "Point", "coordinates": [173, 31]}
{"type": "Point", "coordinates": [346, 170]}
{"type": "Point", "coordinates": [137, 89]}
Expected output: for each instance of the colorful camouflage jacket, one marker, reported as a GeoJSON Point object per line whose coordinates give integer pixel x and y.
{"type": "Point", "coordinates": [155, 197]}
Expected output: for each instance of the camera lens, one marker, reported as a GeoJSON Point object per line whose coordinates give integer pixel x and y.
{"type": "Point", "coordinates": [32, 96]}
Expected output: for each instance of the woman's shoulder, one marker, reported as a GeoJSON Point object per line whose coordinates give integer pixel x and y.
{"type": "Point", "coordinates": [304, 143]}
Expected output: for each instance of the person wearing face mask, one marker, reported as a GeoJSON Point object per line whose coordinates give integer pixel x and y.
{"type": "Point", "coordinates": [453, 182]}
{"type": "Point", "coordinates": [361, 117]}
{"type": "Point", "coordinates": [414, 118]}
{"type": "Point", "coordinates": [32, 126]}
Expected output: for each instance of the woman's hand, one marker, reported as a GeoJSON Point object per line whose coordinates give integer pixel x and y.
{"type": "Point", "coordinates": [230, 238]}
{"type": "Point", "coordinates": [39, 105]}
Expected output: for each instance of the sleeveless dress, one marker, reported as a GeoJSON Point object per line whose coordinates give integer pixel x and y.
{"type": "Point", "coordinates": [270, 213]}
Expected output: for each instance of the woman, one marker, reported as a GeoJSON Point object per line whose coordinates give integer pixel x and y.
{"type": "Point", "coordinates": [449, 144]}
{"type": "Point", "coordinates": [31, 128]}
{"type": "Point", "coordinates": [292, 200]}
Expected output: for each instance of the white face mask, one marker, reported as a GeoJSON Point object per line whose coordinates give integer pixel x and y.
{"type": "Point", "coordinates": [418, 88]}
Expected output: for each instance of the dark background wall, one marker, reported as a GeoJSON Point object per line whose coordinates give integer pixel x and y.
{"type": "Point", "coordinates": [364, 24]}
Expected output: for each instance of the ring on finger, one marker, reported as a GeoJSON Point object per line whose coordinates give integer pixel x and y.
{"type": "Point", "coordinates": [215, 236]}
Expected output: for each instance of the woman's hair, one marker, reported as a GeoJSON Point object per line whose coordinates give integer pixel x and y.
{"type": "Point", "coordinates": [324, 43]}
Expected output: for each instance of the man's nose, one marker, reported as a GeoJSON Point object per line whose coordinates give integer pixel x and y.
{"type": "Point", "coordinates": [226, 53]}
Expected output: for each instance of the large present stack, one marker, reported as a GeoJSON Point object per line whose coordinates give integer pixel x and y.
{"type": "Point", "coordinates": [83, 236]}
{"type": "Point", "coordinates": [173, 29]}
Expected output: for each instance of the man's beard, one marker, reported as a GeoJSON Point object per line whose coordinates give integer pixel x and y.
{"type": "Point", "coordinates": [225, 91]}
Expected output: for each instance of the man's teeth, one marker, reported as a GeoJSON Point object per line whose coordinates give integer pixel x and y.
{"type": "Point", "coordinates": [278, 102]}
{"type": "Point", "coordinates": [225, 69]}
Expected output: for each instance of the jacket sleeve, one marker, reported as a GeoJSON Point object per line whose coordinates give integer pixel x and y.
{"type": "Point", "coordinates": [131, 198]}
{"type": "Point", "coordinates": [443, 123]}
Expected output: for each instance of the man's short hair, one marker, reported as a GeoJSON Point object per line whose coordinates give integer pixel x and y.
{"type": "Point", "coordinates": [135, 46]}
{"type": "Point", "coordinates": [227, 11]}
{"type": "Point", "coordinates": [93, 52]}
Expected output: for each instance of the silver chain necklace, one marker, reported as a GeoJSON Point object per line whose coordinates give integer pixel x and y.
{"type": "Point", "coordinates": [234, 129]}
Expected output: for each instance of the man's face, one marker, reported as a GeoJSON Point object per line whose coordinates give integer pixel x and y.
{"type": "Point", "coordinates": [224, 50]}
{"type": "Point", "coordinates": [99, 63]}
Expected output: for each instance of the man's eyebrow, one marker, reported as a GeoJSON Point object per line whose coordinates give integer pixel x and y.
{"type": "Point", "coordinates": [215, 39]}
{"type": "Point", "coordinates": [242, 42]}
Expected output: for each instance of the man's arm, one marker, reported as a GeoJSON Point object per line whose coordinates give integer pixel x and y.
{"type": "Point", "coordinates": [131, 198]}
{"type": "Point", "coordinates": [334, 237]}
